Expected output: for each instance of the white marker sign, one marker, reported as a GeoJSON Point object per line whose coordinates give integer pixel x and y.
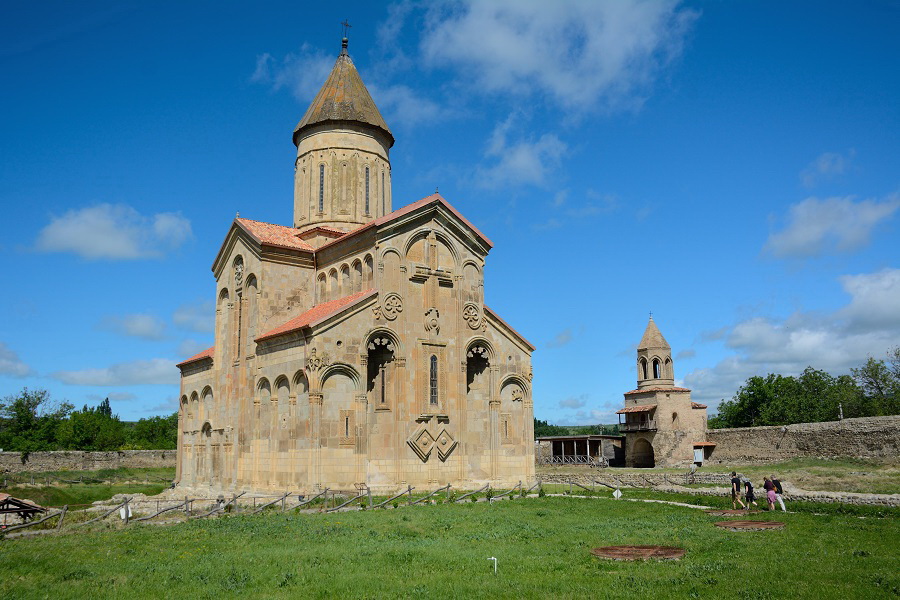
{"type": "Point", "coordinates": [617, 494]}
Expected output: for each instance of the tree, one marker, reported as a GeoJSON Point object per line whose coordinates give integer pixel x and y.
{"type": "Point", "coordinates": [880, 383]}
{"type": "Point", "coordinates": [92, 429]}
{"type": "Point", "coordinates": [29, 420]}
{"type": "Point", "coordinates": [154, 433]}
{"type": "Point", "coordinates": [544, 429]}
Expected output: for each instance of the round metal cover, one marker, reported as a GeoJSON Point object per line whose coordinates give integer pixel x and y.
{"type": "Point", "coordinates": [727, 513]}
{"type": "Point", "coordinates": [639, 552]}
{"type": "Point", "coordinates": [750, 525]}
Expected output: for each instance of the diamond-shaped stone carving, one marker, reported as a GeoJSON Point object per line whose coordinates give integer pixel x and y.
{"type": "Point", "coordinates": [422, 444]}
{"type": "Point", "coordinates": [445, 444]}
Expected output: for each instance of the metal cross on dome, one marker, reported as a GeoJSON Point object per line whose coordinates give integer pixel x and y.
{"type": "Point", "coordinates": [346, 25]}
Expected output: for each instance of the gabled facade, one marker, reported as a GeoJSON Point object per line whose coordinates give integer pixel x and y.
{"type": "Point", "coordinates": [662, 426]}
{"type": "Point", "coordinates": [355, 347]}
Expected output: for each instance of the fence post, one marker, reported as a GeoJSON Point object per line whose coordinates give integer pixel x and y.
{"type": "Point", "coordinates": [32, 479]}
{"type": "Point", "coordinates": [283, 500]}
{"type": "Point", "coordinates": [187, 507]}
{"type": "Point", "coordinates": [234, 503]}
{"type": "Point", "coordinates": [409, 491]}
{"type": "Point", "coordinates": [126, 512]}
{"type": "Point", "coordinates": [448, 492]}
{"type": "Point", "coordinates": [369, 493]}
{"type": "Point", "coordinates": [62, 516]}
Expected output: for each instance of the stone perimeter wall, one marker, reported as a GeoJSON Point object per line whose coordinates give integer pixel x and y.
{"type": "Point", "coordinates": [864, 437]}
{"type": "Point", "coordinates": [39, 462]}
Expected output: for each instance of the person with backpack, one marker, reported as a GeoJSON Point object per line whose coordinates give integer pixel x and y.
{"type": "Point", "coordinates": [749, 496]}
{"type": "Point", "coordinates": [778, 492]}
{"type": "Point", "coordinates": [736, 491]}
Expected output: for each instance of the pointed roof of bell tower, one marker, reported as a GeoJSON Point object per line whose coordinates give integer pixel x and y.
{"type": "Point", "coordinates": [652, 337]}
{"type": "Point", "coordinates": [343, 97]}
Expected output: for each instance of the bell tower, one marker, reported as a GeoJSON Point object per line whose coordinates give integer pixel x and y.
{"type": "Point", "coordinates": [654, 364]}
{"type": "Point", "coordinates": [342, 175]}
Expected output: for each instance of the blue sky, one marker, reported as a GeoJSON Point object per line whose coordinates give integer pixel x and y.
{"type": "Point", "coordinates": [733, 167]}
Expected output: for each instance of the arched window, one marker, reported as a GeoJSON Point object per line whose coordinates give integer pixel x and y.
{"type": "Point", "coordinates": [322, 289]}
{"type": "Point", "coordinates": [433, 382]}
{"type": "Point", "coordinates": [643, 368]}
{"type": "Point", "coordinates": [656, 372]}
{"type": "Point", "coordinates": [346, 287]}
{"type": "Point", "coordinates": [321, 188]}
{"type": "Point", "coordinates": [367, 190]}
{"type": "Point", "coordinates": [357, 276]}
{"type": "Point", "coordinates": [370, 271]}
{"type": "Point", "coordinates": [380, 367]}
{"type": "Point", "coordinates": [668, 369]}
{"type": "Point", "coordinates": [333, 284]}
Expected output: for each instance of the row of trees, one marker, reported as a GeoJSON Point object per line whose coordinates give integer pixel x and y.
{"type": "Point", "coordinates": [31, 421]}
{"type": "Point", "coordinates": [543, 429]}
{"type": "Point", "coordinates": [871, 390]}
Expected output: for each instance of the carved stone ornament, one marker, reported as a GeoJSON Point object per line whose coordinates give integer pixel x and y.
{"type": "Point", "coordinates": [471, 315]}
{"type": "Point", "coordinates": [477, 351]}
{"type": "Point", "coordinates": [422, 443]}
{"type": "Point", "coordinates": [238, 274]}
{"type": "Point", "coordinates": [445, 444]}
{"type": "Point", "coordinates": [316, 363]}
{"type": "Point", "coordinates": [380, 343]}
{"type": "Point", "coordinates": [392, 306]}
{"type": "Point", "coordinates": [518, 394]}
{"type": "Point", "coordinates": [432, 322]}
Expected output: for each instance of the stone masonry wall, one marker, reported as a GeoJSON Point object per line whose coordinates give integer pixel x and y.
{"type": "Point", "coordinates": [865, 437]}
{"type": "Point", "coordinates": [38, 462]}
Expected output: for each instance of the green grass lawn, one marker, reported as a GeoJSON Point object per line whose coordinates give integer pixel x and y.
{"type": "Point", "coordinates": [838, 475]}
{"type": "Point", "coordinates": [104, 484]}
{"type": "Point", "coordinates": [442, 551]}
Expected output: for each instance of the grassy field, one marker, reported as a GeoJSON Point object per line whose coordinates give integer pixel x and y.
{"type": "Point", "coordinates": [105, 484]}
{"type": "Point", "coordinates": [542, 545]}
{"type": "Point", "coordinates": [839, 475]}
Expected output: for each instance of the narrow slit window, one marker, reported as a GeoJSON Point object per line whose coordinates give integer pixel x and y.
{"type": "Point", "coordinates": [346, 426]}
{"type": "Point", "coordinates": [382, 384]}
{"type": "Point", "coordinates": [367, 190]}
{"type": "Point", "coordinates": [321, 188]}
{"type": "Point", "coordinates": [433, 382]}
{"type": "Point", "coordinates": [383, 201]}
{"type": "Point", "coordinates": [656, 373]}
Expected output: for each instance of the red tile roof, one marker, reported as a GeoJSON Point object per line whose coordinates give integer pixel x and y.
{"type": "Point", "coordinates": [316, 314]}
{"type": "Point", "coordinates": [208, 353]}
{"type": "Point", "coordinates": [323, 229]}
{"type": "Point", "coordinates": [636, 409]}
{"type": "Point", "coordinates": [270, 234]}
{"type": "Point", "coordinates": [507, 325]}
{"type": "Point", "coordinates": [658, 388]}
{"type": "Point", "coordinates": [432, 199]}
{"type": "Point", "coordinates": [697, 405]}
{"type": "Point", "coordinates": [703, 444]}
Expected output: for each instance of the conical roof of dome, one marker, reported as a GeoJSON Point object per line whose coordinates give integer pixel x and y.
{"type": "Point", "coordinates": [652, 337]}
{"type": "Point", "coordinates": [343, 97]}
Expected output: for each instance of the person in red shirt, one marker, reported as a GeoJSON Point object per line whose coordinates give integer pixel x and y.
{"type": "Point", "coordinates": [770, 492]}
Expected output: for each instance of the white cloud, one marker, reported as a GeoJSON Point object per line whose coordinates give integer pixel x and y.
{"type": "Point", "coordinates": [199, 317]}
{"type": "Point", "coordinates": [188, 348]}
{"type": "Point", "coordinates": [113, 397]}
{"type": "Point", "coordinates": [689, 353]}
{"type": "Point", "coordinates": [302, 73]}
{"type": "Point", "coordinates": [832, 225]}
{"type": "Point", "coordinates": [580, 55]}
{"type": "Point", "coordinates": [522, 161]}
{"type": "Point", "coordinates": [11, 364]}
{"type": "Point", "coordinates": [826, 166]}
{"type": "Point", "coordinates": [168, 406]}
{"type": "Point", "coordinates": [114, 232]}
{"type": "Point", "coordinates": [574, 401]}
{"type": "Point", "coordinates": [152, 371]}
{"type": "Point", "coordinates": [401, 105]}
{"type": "Point", "coordinates": [875, 300]}
{"type": "Point", "coordinates": [146, 327]}
{"type": "Point", "coordinates": [560, 339]}
{"type": "Point", "coordinates": [835, 342]}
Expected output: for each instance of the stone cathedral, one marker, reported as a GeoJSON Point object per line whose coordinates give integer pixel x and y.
{"type": "Point", "coordinates": [354, 346]}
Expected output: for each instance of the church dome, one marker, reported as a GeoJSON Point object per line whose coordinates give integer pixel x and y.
{"type": "Point", "coordinates": [343, 98]}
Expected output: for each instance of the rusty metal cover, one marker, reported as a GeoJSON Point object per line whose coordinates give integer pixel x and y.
{"type": "Point", "coordinates": [639, 552]}
{"type": "Point", "coordinates": [750, 525]}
